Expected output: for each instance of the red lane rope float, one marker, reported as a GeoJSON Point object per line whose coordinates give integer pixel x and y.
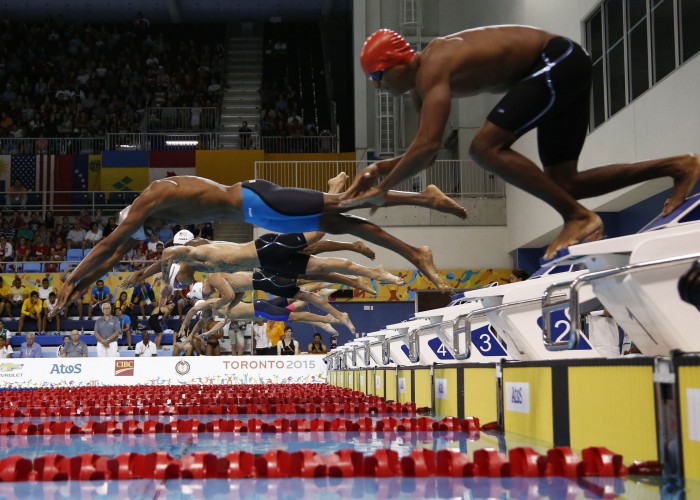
{"type": "Point", "coordinates": [254, 425]}
{"type": "Point", "coordinates": [307, 463]}
{"type": "Point", "coordinates": [191, 408]}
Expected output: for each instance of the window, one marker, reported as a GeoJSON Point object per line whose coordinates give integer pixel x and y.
{"type": "Point", "coordinates": [633, 45]}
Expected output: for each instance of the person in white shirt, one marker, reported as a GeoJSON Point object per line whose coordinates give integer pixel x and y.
{"type": "Point", "coordinates": [603, 334]}
{"type": "Point", "coordinates": [145, 348]}
{"type": "Point", "coordinates": [5, 349]}
{"type": "Point", "coordinates": [92, 236]}
{"type": "Point", "coordinates": [75, 237]}
{"type": "Point", "coordinates": [262, 346]}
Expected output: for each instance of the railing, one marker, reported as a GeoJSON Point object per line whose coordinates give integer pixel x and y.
{"type": "Point", "coordinates": [59, 266]}
{"type": "Point", "coordinates": [453, 177]}
{"type": "Point", "coordinates": [179, 119]}
{"type": "Point", "coordinates": [163, 141]}
{"type": "Point", "coordinates": [68, 202]}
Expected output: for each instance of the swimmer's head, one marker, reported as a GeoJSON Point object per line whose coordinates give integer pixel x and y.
{"type": "Point", "coordinates": [182, 237]}
{"type": "Point", "coordinates": [384, 49]}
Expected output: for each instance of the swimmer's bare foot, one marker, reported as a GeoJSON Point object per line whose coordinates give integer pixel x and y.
{"type": "Point", "coordinates": [374, 197]}
{"type": "Point", "coordinates": [688, 173]}
{"type": "Point", "coordinates": [360, 284]}
{"type": "Point", "coordinates": [363, 249]}
{"type": "Point", "coordinates": [443, 203]}
{"type": "Point", "coordinates": [425, 264]}
{"type": "Point", "coordinates": [346, 321]}
{"type": "Point", "coordinates": [337, 184]}
{"type": "Point", "coordinates": [578, 230]}
{"type": "Point", "coordinates": [326, 328]}
{"type": "Point", "coordinates": [382, 275]}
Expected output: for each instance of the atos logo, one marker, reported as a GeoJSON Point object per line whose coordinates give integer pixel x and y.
{"type": "Point", "coordinates": [57, 369]}
{"type": "Point", "coordinates": [517, 396]}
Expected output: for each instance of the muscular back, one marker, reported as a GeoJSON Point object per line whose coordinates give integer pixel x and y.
{"type": "Point", "coordinates": [490, 59]}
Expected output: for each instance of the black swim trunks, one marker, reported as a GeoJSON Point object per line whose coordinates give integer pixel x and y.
{"type": "Point", "coordinates": [274, 284]}
{"type": "Point", "coordinates": [283, 253]}
{"type": "Point", "coordinates": [277, 309]}
{"type": "Point", "coordinates": [555, 98]}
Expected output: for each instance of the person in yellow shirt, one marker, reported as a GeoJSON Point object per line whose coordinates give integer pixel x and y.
{"type": "Point", "coordinates": [31, 309]}
{"type": "Point", "coordinates": [5, 299]}
{"type": "Point", "coordinates": [275, 331]}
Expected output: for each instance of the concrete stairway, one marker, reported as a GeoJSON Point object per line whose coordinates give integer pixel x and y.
{"type": "Point", "coordinates": [241, 99]}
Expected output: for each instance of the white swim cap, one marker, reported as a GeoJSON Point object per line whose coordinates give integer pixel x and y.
{"type": "Point", "coordinates": [196, 291]}
{"type": "Point", "coordinates": [182, 237]}
{"type": "Point", "coordinates": [174, 269]}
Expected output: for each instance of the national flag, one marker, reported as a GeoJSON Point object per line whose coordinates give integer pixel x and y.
{"type": "Point", "coordinates": [94, 172]}
{"type": "Point", "coordinates": [121, 159]}
{"type": "Point", "coordinates": [37, 173]}
{"type": "Point", "coordinates": [123, 179]}
{"type": "Point", "coordinates": [227, 166]}
{"type": "Point", "coordinates": [5, 179]}
{"type": "Point", "coordinates": [162, 164]}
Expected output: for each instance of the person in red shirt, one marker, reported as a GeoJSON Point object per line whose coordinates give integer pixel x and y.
{"type": "Point", "coordinates": [22, 251]}
{"type": "Point", "coordinates": [40, 250]}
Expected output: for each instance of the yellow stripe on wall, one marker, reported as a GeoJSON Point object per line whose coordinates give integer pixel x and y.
{"type": "Point", "coordinates": [403, 388]}
{"type": "Point", "coordinates": [480, 394]}
{"type": "Point", "coordinates": [422, 391]}
{"type": "Point", "coordinates": [689, 387]}
{"type": "Point", "coordinates": [537, 423]}
{"type": "Point", "coordinates": [390, 385]}
{"type": "Point", "coordinates": [613, 406]}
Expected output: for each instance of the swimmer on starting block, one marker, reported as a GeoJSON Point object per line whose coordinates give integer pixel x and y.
{"type": "Point", "coordinates": [547, 80]}
{"type": "Point", "coordinates": [190, 200]}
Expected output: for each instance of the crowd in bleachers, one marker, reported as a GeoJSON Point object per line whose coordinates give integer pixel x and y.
{"type": "Point", "coordinates": [60, 78]}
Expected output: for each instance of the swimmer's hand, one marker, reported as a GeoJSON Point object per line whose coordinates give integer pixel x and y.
{"type": "Point", "coordinates": [130, 282]}
{"type": "Point", "coordinates": [362, 182]}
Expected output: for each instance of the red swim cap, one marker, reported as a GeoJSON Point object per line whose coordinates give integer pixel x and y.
{"type": "Point", "coordinates": [384, 49]}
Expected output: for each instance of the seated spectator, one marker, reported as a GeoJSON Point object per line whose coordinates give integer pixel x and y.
{"type": "Point", "coordinates": [43, 234]}
{"type": "Point", "coordinates": [76, 236]}
{"type": "Point", "coordinates": [49, 306]}
{"type": "Point", "coordinates": [142, 296]}
{"type": "Point", "coordinates": [34, 223]}
{"type": "Point", "coordinates": [59, 231]}
{"type": "Point", "coordinates": [157, 254]}
{"type": "Point", "coordinates": [107, 332]}
{"type": "Point", "coordinates": [99, 296]}
{"type": "Point", "coordinates": [92, 236]}
{"type": "Point", "coordinates": [18, 293]}
{"type": "Point", "coordinates": [7, 230]}
{"type": "Point", "coordinates": [25, 232]}
{"type": "Point", "coordinates": [49, 220]}
{"type": "Point", "coordinates": [30, 349]}
{"type": "Point", "coordinates": [17, 193]}
{"type": "Point", "coordinates": [22, 250]}
{"type": "Point", "coordinates": [6, 252]}
{"type": "Point", "coordinates": [60, 352]}
{"type": "Point", "coordinates": [84, 220]}
{"type": "Point", "coordinates": [5, 299]}
{"type": "Point", "coordinates": [152, 244]}
{"type": "Point", "coordinates": [109, 227]}
{"type": "Point", "coordinates": [76, 348]}
{"type": "Point", "coordinates": [317, 347]}
{"type": "Point", "coordinates": [40, 251]}
{"type": "Point", "coordinates": [45, 290]}
{"type": "Point", "coordinates": [31, 310]}
{"type": "Point", "coordinates": [287, 346]}
{"type": "Point", "coordinates": [5, 349]}
{"type": "Point", "coordinates": [145, 348]}
{"type": "Point", "coordinates": [5, 334]}
{"type": "Point", "coordinates": [58, 250]}
{"type": "Point", "coordinates": [165, 234]}
{"type": "Point", "coordinates": [138, 260]}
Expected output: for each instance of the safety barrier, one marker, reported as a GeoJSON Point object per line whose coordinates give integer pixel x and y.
{"type": "Point", "coordinates": [520, 462]}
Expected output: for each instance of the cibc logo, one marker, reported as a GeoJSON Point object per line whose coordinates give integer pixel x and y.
{"type": "Point", "coordinates": [124, 368]}
{"type": "Point", "coordinates": [62, 369]}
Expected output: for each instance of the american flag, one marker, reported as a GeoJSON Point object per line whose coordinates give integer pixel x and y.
{"type": "Point", "coordinates": [37, 173]}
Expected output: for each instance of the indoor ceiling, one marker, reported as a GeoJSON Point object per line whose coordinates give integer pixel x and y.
{"type": "Point", "coordinates": [169, 10]}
